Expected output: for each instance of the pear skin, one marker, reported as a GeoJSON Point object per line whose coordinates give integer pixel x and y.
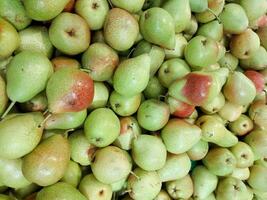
{"type": "Point", "coordinates": [3, 95]}
{"type": "Point", "coordinates": [73, 174]}
{"type": "Point", "coordinates": [181, 188]}
{"type": "Point", "coordinates": [62, 61]}
{"type": "Point", "coordinates": [198, 151]}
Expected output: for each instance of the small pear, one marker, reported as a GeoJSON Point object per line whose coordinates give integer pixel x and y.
{"type": "Point", "coordinates": [229, 61]}
{"type": "Point", "coordinates": [198, 6]}
{"type": "Point", "coordinates": [3, 95]}
{"type": "Point", "coordinates": [258, 177]}
{"type": "Point", "coordinates": [91, 188]}
{"type": "Point", "coordinates": [36, 104]}
{"type": "Point", "coordinates": [241, 126]}
{"type": "Point", "coordinates": [154, 89]}
{"type": "Point", "coordinates": [73, 174]}
{"type": "Point", "coordinates": [230, 111]}
{"type": "Point", "coordinates": [47, 163]}
{"type": "Point", "coordinates": [132, 75]}
{"type": "Point", "coordinates": [198, 151]}
{"type": "Point", "coordinates": [257, 113]}
{"type": "Point", "coordinates": [133, 6]}
{"type": "Point", "coordinates": [241, 173]}
{"type": "Point", "coordinates": [178, 51]}
{"type": "Point", "coordinates": [212, 30]}
{"type": "Point", "coordinates": [215, 105]}
{"type": "Point", "coordinates": [191, 29]}
{"type": "Point", "coordinates": [163, 195]}
{"type": "Point", "coordinates": [257, 61]}
{"type": "Point", "coordinates": [180, 188]}
{"type": "Point", "coordinates": [243, 154]}
{"type": "Point", "coordinates": [119, 185]}
{"type": "Point", "coordinates": [62, 62]}
{"type": "Point", "coordinates": [101, 95]}
{"type": "Point", "coordinates": [111, 164]}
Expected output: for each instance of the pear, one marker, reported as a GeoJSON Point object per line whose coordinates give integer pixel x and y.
{"type": "Point", "coordinates": [191, 29]}
{"type": "Point", "coordinates": [11, 173]}
{"type": "Point", "coordinates": [243, 154]}
{"type": "Point", "coordinates": [215, 105]}
{"type": "Point", "coordinates": [257, 78]}
{"type": "Point", "coordinates": [111, 164]}
{"type": "Point", "coordinates": [73, 174]}
{"type": "Point", "coordinates": [47, 163]}
{"type": "Point", "coordinates": [102, 127]}
{"type": "Point", "coordinates": [144, 185]}
{"type": "Point", "coordinates": [132, 75]}
{"type": "Point", "coordinates": [23, 192]}
{"type": "Point", "coordinates": [101, 95]}
{"type": "Point", "coordinates": [176, 167]}
{"type": "Point", "coordinates": [9, 39]}
{"type": "Point", "coordinates": [82, 151]}
{"type": "Point", "coordinates": [198, 6]}
{"type": "Point", "coordinates": [44, 10]}
{"type": "Point", "coordinates": [230, 111]}
{"type": "Point", "coordinates": [149, 152]}
{"type": "Point", "coordinates": [158, 27]}
{"type": "Point", "coordinates": [229, 61]}
{"type": "Point", "coordinates": [94, 12]}
{"type": "Point", "coordinates": [153, 114]}
{"type": "Point", "coordinates": [120, 29]}
{"type": "Point", "coordinates": [124, 105]}
{"type": "Point", "coordinates": [129, 131]}
{"type": "Point", "coordinates": [178, 51]}
{"type": "Point", "coordinates": [76, 91]}
{"type": "Point", "coordinates": [198, 151]}
{"type": "Point", "coordinates": [60, 190]}
{"type": "Point", "coordinates": [171, 70]}
{"type": "Point", "coordinates": [154, 89]}
{"type": "Point", "coordinates": [20, 134]}
{"type": "Point", "coordinates": [204, 182]}
{"type": "Point", "coordinates": [179, 108]}
{"type": "Point", "coordinates": [241, 173]}
{"type": "Point", "coordinates": [70, 33]}
{"type": "Point", "coordinates": [179, 136]}
{"type": "Point", "coordinates": [180, 188]}
{"type": "Point", "coordinates": [234, 19]}
{"type": "Point", "coordinates": [257, 113]}
{"type": "Point", "coordinates": [62, 61]}
{"type": "Point", "coordinates": [133, 6]}
{"type": "Point", "coordinates": [27, 75]}
{"type": "Point", "coordinates": [163, 195]}
{"type": "Point", "coordinates": [14, 12]}
{"type": "Point", "coordinates": [254, 9]}
{"type": "Point", "coordinates": [220, 161]}
{"type": "Point", "coordinates": [256, 61]}
{"type": "Point", "coordinates": [119, 185]}
{"type": "Point", "coordinates": [6, 197]}
{"type": "Point", "coordinates": [212, 30]}
{"type": "Point", "coordinates": [37, 104]}
{"type": "Point", "coordinates": [241, 126]}
{"type": "Point", "coordinates": [3, 95]}
{"type": "Point", "coordinates": [91, 188]}
{"type": "Point", "coordinates": [155, 53]}
{"type": "Point", "coordinates": [258, 177]}
{"type": "Point", "coordinates": [101, 61]}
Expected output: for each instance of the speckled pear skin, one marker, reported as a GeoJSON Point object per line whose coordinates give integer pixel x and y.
{"type": "Point", "coordinates": [47, 163]}
{"type": "Point", "coordinates": [69, 90]}
{"type": "Point", "coordinates": [27, 75]}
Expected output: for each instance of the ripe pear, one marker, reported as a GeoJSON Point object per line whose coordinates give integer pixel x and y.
{"type": "Point", "coordinates": [60, 190]}
{"type": "Point", "coordinates": [212, 30]}
{"type": "Point", "coordinates": [179, 136]}
{"type": "Point", "coordinates": [70, 33]}
{"type": "Point", "coordinates": [179, 108]}
{"type": "Point", "coordinates": [257, 61]}
{"type": "Point", "coordinates": [241, 126]}
{"type": "Point", "coordinates": [81, 150]}
{"type": "Point", "coordinates": [180, 188]}
{"type": "Point", "coordinates": [11, 173]}
{"type": "Point", "coordinates": [257, 79]}
{"type": "Point", "coordinates": [220, 161]}
{"type": "Point", "coordinates": [94, 12]}
{"type": "Point", "coordinates": [198, 151]}
{"type": "Point", "coordinates": [143, 185]}
{"type": "Point", "coordinates": [257, 113]}
{"type": "Point", "coordinates": [215, 105]}
{"type": "Point", "coordinates": [20, 134]}
{"type": "Point", "coordinates": [3, 95]}
{"type": "Point", "coordinates": [44, 10]}
{"type": "Point", "coordinates": [241, 173]}
{"type": "Point", "coordinates": [101, 61]}
{"type": "Point", "coordinates": [163, 195]}
{"type": "Point", "coordinates": [9, 41]}
{"type": "Point", "coordinates": [243, 154]}
{"type": "Point", "coordinates": [102, 127]}
{"type": "Point", "coordinates": [149, 152]}
{"type": "Point", "coordinates": [111, 164]}
{"type": "Point", "coordinates": [120, 29]}
{"type": "Point", "coordinates": [73, 174]}
{"type": "Point", "coordinates": [101, 95]}
{"type": "Point", "coordinates": [91, 188]}
{"type": "Point", "coordinates": [133, 6]}
{"type": "Point", "coordinates": [27, 75]}
{"type": "Point", "coordinates": [37, 104]}
{"type": "Point", "coordinates": [230, 111]}
{"type": "Point", "coordinates": [158, 27]}
{"type": "Point", "coordinates": [176, 167]}
{"type": "Point", "coordinates": [132, 75]}
{"type": "Point", "coordinates": [204, 182]}
{"type": "Point", "coordinates": [47, 163]}
{"type": "Point", "coordinates": [62, 61]}
{"type": "Point", "coordinates": [178, 51]}
{"type": "Point", "coordinates": [76, 91]}
{"type": "Point", "coordinates": [198, 6]}
{"type": "Point", "coordinates": [229, 61]}
{"type": "Point", "coordinates": [154, 89]}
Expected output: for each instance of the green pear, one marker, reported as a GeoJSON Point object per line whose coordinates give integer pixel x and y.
{"type": "Point", "coordinates": [258, 177]}
{"type": "Point", "coordinates": [101, 95]}
{"type": "Point", "coordinates": [181, 188]}
{"type": "Point", "coordinates": [163, 195]}
{"type": "Point", "coordinates": [11, 173]}
{"type": "Point", "coordinates": [149, 152]}
{"type": "Point", "coordinates": [241, 126]}
{"type": "Point", "coordinates": [254, 9]}
{"type": "Point", "coordinates": [233, 18]}
{"type": "Point", "coordinates": [119, 185]}
{"type": "Point", "coordinates": [47, 163]}
{"type": "Point", "coordinates": [229, 61]}
{"type": "Point", "coordinates": [73, 174]}
{"type": "Point", "coordinates": [178, 51]}
{"type": "Point", "coordinates": [198, 151]}
{"type": "Point", "coordinates": [257, 61]}
{"type": "Point", "coordinates": [171, 70]}
{"type": "Point", "coordinates": [124, 105]}
{"type": "Point", "coordinates": [76, 91]}
{"type": "Point", "coordinates": [158, 27]}
{"type": "Point", "coordinates": [179, 136]}
{"type": "Point", "coordinates": [155, 53]}
{"type": "Point", "coordinates": [154, 89]}
{"type": "Point", "coordinates": [204, 182]}
{"type": "Point", "coordinates": [81, 150]}
{"type": "Point", "coordinates": [37, 104]}
{"type": "Point", "coordinates": [102, 127]}
{"type": "Point", "coordinates": [176, 167]}
{"type": "Point", "coordinates": [27, 75]}
{"type": "Point", "coordinates": [132, 75]}
{"type": "Point", "coordinates": [111, 164]}
{"type": "Point", "coordinates": [215, 105]}
{"type": "Point", "coordinates": [120, 29]}
{"type": "Point", "coordinates": [243, 154]}
{"type": "Point", "coordinates": [62, 62]}
{"type": "Point", "coordinates": [230, 111]}
{"type": "Point", "coordinates": [94, 12]}
{"type": "Point", "coordinates": [44, 10]}
{"type": "Point", "coordinates": [220, 161]}
{"type": "Point", "coordinates": [70, 33]}
{"type": "Point", "coordinates": [144, 185]}
{"type": "Point", "coordinates": [130, 130]}
{"type": "Point", "coordinates": [3, 95]}
{"type": "Point", "coordinates": [14, 12]}
{"type": "Point", "coordinates": [198, 6]}
{"type": "Point", "coordinates": [241, 173]}
{"type": "Point", "coordinates": [257, 113]}
{"type": "Point", "coordinates": [60, 190]}
{"type": "Point", "coordinates": [133, 6]}
{"type": "Point", "coordinates": [20, 134]}
{"type": "Point", "coordinates": [191, 29]}
{"type": "Point", "coordinates": [91, 188]}
{"type": "Point", "coordinates": [212, 30]}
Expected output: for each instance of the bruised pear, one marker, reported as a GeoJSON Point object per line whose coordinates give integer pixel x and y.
{"type": "Point", "coordinates": [76, 91]}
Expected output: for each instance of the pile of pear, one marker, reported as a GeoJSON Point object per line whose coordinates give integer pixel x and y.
{"type": "Point", "coordinates": [133, 100]}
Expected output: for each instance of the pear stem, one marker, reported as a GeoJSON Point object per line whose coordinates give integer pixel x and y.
{"type": "Point", "coordinates": [212, 12]}
{"type": "Point", "coordinates": [130, 53]}
{"type": "Point", "coordinates": [45, 119]}
{"type": "Point", "coordinates": [66, 133]}
{"type": "Point", "coordinates": [131, 172]}
{"type": "Point", "coordinates": [8, 109]}
{"type": "Point", "coordinates": [45, 112]}
{"type": "Point", "coordinates": [126, 191]}
{"type": "Point", "coordinates": [86, 70]}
